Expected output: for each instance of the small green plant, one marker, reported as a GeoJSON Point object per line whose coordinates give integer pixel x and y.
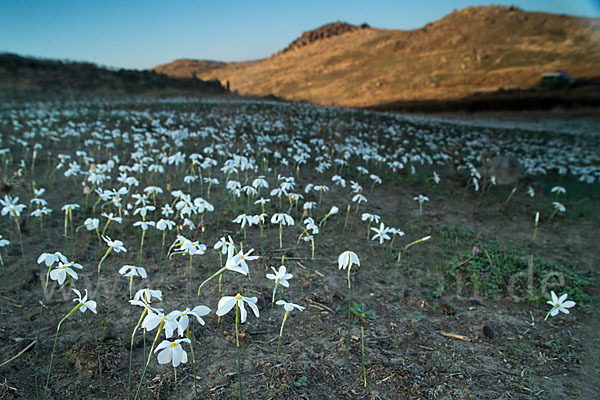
{"type": "Point", "coordinates": [303, 381]}
{"type": "Point", "coordinates": [360, 310]}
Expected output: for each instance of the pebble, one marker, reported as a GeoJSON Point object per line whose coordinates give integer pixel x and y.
{"type": "Point", "coordinates": [489, 331]}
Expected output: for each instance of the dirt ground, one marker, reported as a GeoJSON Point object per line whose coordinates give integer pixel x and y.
{"type": "Point", "coordinates": [436, 325]}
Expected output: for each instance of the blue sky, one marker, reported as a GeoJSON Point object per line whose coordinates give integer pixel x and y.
{"type": "Point", "coordinates": [144, 33]}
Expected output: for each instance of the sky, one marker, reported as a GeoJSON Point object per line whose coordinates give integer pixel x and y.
{"type": "Point", "coordinates": [142, 34]}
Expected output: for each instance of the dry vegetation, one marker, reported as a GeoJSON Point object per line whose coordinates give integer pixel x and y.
{"type": "Point", "coordinates": [477, 49]}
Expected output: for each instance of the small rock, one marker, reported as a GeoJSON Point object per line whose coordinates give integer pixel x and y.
{"type": "Point", "coordinates": [489, 331]}
{"type": "Point", "coordinates": [109, 334]}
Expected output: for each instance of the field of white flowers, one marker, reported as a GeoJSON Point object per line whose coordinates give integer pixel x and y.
{"type": "Point", "coordinates": [245, 249]}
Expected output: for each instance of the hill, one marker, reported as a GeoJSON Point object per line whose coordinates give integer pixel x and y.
{"type": "Point", "coordinates": [471, 51]}
{"type": "Point", "coordinates": [31, 77]}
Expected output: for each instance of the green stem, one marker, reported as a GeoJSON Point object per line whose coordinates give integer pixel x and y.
{"type": "Point", "coordinates": [219, 272]}
{"type": "Point", "coordinates": [280, 229]}
{"type": "Point", "coordinates": [102, 260]}
{"type": "Point", "coordinates": [237, 342]}
{"type": "Point", "coordinates": [193, 359]}
{"type": "Point", "coordinates": [362, 337]}
{"type": "Point", "coordinates": [287, 313]}
{"type": "Point", "coordinates": [87, 322]}
{"type": "Point", "coordinates": [54, 346]}
{"type": "Point", "coordinates": [176, 388]}
{"type": "Point", "coordinates": [349, 303]}
{"type": "Point", "coordinates": [160, 328]}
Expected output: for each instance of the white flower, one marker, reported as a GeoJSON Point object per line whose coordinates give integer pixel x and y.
{"type": "Point", "coordinates": [172, 352]}
{"type": "Point", "coordinates": [144, 224]}
{"type": "Point", "coordinates": [559, 304]}
{"type": "Point", "coordinates": [347, 259]}
{"type": "Point", "coordinates": [131, 270]}
{"type": "Point", "coordinates": [10, 206]}
{"type": "Point", "coordinates": [62, 270]}
{"type": "Point", "coordinates": [289, 306]}
{"type": "Point", "coordinates": [146, 295]}
{"type": "Point", "coordinates": [370, 217]}
{"type": "Point", "coordinates": [281, 276]}
{"type": "Point", "coordinates": [163, 224]}
{"type": "Point", "coordinates": [85, 303]}
{"type": "Point", "coordinates": [282, 218]}
{"type": "Point", "coordinates": [224, 244]}
{"type": "Point", "coordinates": [91, 223]}
{"type": "Point", "coordinates": [117, 245]}
{"type": "Point", "coordinates": [227, 302]}
{"type": "Point", "coordinates": [183, 318]}
{"type": "Point", "coordinates": [558, 206]}
{"type": "Point", "coordinates": [558, 190]}
{"type": "Point", "coordinates": [237, 263]}
{"type": "Point", "coordinates": [50, 259]}
{"type": "Point", "coordinates": [381, 233]}
{"type": "Point", "coordinates": [153, 320]}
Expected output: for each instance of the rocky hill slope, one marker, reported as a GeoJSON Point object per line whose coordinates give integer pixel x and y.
{"type": "Point", "coordinates": [474, 50]}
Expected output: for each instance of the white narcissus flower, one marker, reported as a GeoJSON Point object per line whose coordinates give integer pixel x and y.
{"type": "Point", "coordinates": [282, 218]}
{"type": "Point", "coordinates": [381, 233]}
{"type": "Point", "coordinates": [559, 304]}
{"type": "Point", "coordinates": [62, 270]}
{"type": "Point", "coordinates": [183, 318]}
{"type": "Point", "coordinates": [91, 224]}
{"type": "Point", "coordinates": [11, 206]}
{"type": "Point", "coordinates": [558, 190]}
{"type": "Point", "coordinates": [146, 295]}
{"type": "Point", "coordinates": [558, 206]}
{"type": "Point", "coordinates": [50, 258]}
{"type": "Point", "coordinates": [116, 245]}
{"type": "Point", "coordinates": [228, 302]}
{"type": "Point", "coordinates": [131, 270]}
{"type": "Point", "coordinates": [163, 224]}
{"type": "Point", "coordinates": [153, 320]}
{"type": "Point", "coordinates": [370, 217]}
{"type": "Point", "coordinates": [238, 263]}
{"type": "Point", "coordinates": [85, 303]}
{"type": "Point", "coordinates": [280, 277]}
{"type": "Point", "coordinates": [144, 224]}
{"type": "Point", "coordinates": [172, 352]}
{"type": "Point", "coordinates": [289, 306]}
{"type": "Point", "coordinates": [347, 259]}
{"type": "Point", "coordinates": [223, 244]}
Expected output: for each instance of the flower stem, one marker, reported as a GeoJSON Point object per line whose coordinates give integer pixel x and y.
{"type": "Point", "coordinates": [287, 313]}
{"type": "Point", "coordinates": [237, 342]}
{"type": "Point", "coordinates": [176, 388]}
{"type": "Point", "coordinates": [160, 328]}
{"type": "Point", "coordinates": [219, 272]}
{"type": "Point", "coordinates": [362, 337]}
{"type": "Point", "coordinates": [87, 322]}
{"type": "Point", "coordinates": [349, 304]}
{"type": "Point", "coordinates": [102, 260]}
{"type": "Point", "coordinates": [131, 350]}
{"type": "Point", "coordinates": [54, 346]}
{"type": "Point", "coordinates": [193, 358]}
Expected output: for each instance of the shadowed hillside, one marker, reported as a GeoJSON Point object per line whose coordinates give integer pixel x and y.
{"type": "Point", "coordinates": [25, 76]}
{"type": "Point", "coordinates": [474, 50]}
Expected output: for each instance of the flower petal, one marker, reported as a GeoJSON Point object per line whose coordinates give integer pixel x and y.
{"type": "Point", "coordinates": [225, 305]}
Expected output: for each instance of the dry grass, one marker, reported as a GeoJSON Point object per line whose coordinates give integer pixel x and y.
{"type": "Point", "coordinates": [471, 50]}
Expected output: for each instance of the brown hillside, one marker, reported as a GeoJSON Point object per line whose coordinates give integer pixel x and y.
{"type": "Point", "coordinates": [477, 49]}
